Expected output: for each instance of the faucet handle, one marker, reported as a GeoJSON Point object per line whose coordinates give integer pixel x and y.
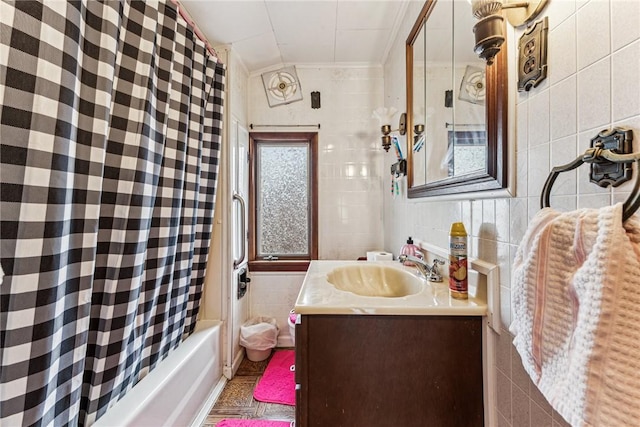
{"type": "Point", "coordinates": [434, 274]}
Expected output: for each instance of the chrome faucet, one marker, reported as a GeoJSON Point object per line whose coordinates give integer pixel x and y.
{"type": "Point", "coordinates": [430, 273]}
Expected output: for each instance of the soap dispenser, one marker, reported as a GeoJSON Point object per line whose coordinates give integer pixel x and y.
{"type": "Point", "coordinates": [411, 250]}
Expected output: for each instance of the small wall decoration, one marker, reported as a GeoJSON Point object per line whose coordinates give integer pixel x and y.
{"type": "Point", "coordinates": [532, 56]}
{"type": "Point", "coordinates": [315, 99]}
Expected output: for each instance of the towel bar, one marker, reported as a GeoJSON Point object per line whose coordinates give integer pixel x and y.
{"type": "Point", "coordinates": [600, 155]}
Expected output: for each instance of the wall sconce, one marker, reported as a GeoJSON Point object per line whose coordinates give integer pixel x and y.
{"type": "Point", "coordinates": [488, 30]}
{"type": "Point", "coordinates": [384, 116]}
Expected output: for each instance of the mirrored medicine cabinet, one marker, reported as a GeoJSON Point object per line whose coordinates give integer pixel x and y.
{"type": "Point", "coordinates": [456, 106]}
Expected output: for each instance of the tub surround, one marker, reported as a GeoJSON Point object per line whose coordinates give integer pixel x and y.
{"type": "Point", "coordinates": [319, 296]}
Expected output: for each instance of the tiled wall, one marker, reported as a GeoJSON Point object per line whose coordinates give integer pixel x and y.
{"type": "Point", "coordinates": [593, 83]}
{"type": "Point", "coordinates": [350, 174]}
{"type": "Point", "coordinates": [350, 170]}
{"type": "Point", "coordinates": [273, 295]}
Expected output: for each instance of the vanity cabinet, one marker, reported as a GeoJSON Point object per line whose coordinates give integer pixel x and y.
{"type": "Point", "coordinates": [386, 370]}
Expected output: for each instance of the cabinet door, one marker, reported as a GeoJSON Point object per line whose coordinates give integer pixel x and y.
{"type": "Point", "coordinates": [390, 370]}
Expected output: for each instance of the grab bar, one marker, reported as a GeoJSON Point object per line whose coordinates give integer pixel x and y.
{"type": "Point", "coordinates": [236, 262]}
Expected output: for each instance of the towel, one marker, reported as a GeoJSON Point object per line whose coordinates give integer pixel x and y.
{"type": "Point", "coordinates": [576, 313]}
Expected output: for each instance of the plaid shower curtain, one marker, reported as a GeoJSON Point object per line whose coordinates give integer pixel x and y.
{"type": "Point", "coordinates": [110, 128]}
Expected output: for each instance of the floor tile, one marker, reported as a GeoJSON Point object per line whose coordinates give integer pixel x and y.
{"type": "Point", "coordinates": [236, 400]}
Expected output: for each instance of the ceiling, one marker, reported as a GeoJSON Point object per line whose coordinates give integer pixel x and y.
{"type": "Point", "coordinates": [268, 33]}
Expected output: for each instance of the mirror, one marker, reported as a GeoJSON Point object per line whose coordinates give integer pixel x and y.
{"type": "Point", "coordinates": [456, 106]}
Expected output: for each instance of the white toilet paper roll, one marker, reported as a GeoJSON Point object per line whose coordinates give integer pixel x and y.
{"type": "Point", "coordinates": [379, 256]}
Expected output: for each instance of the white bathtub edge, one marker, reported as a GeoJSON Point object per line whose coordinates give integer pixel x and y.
{"type": "Point", "coordinates": [145, 404]}
{"type": "Point", "coordinates": [208, 404]}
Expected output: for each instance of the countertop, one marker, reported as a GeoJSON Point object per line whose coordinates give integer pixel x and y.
{"type": "Point", "coordinates": [318, 296]}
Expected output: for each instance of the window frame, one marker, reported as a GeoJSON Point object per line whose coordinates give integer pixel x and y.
{"type": "Point", "coordinates": [294, 263]}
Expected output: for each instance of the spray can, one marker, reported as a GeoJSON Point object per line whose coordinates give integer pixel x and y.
{"type": "Point", "coordinates": [458, 284]}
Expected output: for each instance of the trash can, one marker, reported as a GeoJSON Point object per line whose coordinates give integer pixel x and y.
{"type": "Point", "coordinates": [258, 336]}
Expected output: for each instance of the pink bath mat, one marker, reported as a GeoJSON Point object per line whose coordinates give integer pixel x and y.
{"type": "Point", "coordinates": [278, 384]}
{"type": "Point", "coordinates": [253, 423]}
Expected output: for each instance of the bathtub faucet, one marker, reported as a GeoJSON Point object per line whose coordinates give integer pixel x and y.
{"type": "Point", "coordinates": [430, 273]}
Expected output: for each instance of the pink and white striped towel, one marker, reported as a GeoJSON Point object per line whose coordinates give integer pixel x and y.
{"type": "Point", "coordinates": [576, 313]}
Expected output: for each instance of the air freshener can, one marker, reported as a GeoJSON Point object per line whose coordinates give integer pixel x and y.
{"type": "Point", "coordinates": [458, 283]}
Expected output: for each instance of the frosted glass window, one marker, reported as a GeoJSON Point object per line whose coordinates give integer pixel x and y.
{"type": "Point", "coordinates": [467, 152]}
{"type": "Point", "coordinates": [282, 198]}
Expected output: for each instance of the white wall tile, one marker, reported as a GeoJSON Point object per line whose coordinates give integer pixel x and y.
{"type": "Point", "coordinates": [625, 80]}
{"type": "Point", "coordinates": [476, 217]}
{"type": "Point", "coordinates": [594, 201]}
{"type": "Point", "coordinates": [273, 295]}
{"type": "Point", "coordinates": [594, 95]}
{"type": "Point", "coordinates": [504, 262]}
{"type": "Point", "coordinates": [625, 22]}
{"type": "Point", "coordinates": [505, 306]}
{"type": "Point", "coordinates": [533, 207]}
{"type": "Point", "coordinates": [563, 108]}
{"type": "Point", "coordinates": [522, 127]}
{"type": "Point", "coordinates": [502, 220]}
{"type": "Point", "coordinates": [593, 44]}
{"type": "Point", "coordinates": [522, 173]}
{"type": "Point", "coordinates": [519, 219]}
{"type": "Point", "coordinates": [488, 228]}
{"type": "Point", "coordinates": [538, 169]}
{"type": "Point", "coordinates": [559, 11]}
{"type": "Point", "coordinates": [538, 121]}
{"type": "Point", "coordinates": [634, 125]}
{"type": "Point", "coordinates": [562, 53]}
{"type": "Point", "coordinates": [564, 203]}
{"type": "Point", "coordinates": [564, 151]}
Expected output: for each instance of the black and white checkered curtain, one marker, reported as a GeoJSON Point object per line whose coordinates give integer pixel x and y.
{"type": "Point", "coordinates": [111, 116]}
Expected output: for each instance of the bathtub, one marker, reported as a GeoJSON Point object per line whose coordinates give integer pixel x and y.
{"type": "Point", "coordinates": [180, 390]}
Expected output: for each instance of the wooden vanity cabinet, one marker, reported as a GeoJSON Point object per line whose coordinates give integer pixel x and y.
{"type": "Point", "coordinates": [400, 371]}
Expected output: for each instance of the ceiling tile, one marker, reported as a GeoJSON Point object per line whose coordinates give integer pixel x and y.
{"type": "Point", "coordinates": [299, 53]}
{"type": "Point", "coordinates": [226, 22]}
{"type": "Point", "coordinates": [258, 52]}
{"type": "Point", "coordinates": [309, 20]}
{"type": "Point", "coordinates": [266, 33]}
{"type": "Point", "coordinates": [367, 15]}
{"type": "Point", "coordinates": [361, 45]}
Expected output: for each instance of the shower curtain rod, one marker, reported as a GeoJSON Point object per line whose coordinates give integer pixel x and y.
{"type": "Point", "coordinates": [251, 126]}
{"type": "Point", "coordinates": [187, 17]}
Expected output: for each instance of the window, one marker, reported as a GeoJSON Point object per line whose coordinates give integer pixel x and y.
{"type": "Point", "coordinates": [466, 152]}
{"type": "Point", "coordinates": [283, 232]}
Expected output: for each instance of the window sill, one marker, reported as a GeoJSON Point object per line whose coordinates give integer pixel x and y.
{"type": "Point", "coordinates": [280, 265]}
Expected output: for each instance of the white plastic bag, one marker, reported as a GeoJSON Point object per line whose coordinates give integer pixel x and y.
{"type": "Point", "coordinates": [259, 333]}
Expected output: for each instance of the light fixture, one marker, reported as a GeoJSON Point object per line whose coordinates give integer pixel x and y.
{"type": "Point", "coordinates": [384, 116]}
{"type": "Point", "coordinates": [489, 29]}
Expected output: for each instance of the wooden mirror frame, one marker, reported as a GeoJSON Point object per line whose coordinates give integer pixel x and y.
{"type": "Point", "coordinates": [496, 108]}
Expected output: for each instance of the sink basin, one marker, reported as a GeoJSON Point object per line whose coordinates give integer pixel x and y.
{"type": "Point", "coordinates": [374, 281]}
